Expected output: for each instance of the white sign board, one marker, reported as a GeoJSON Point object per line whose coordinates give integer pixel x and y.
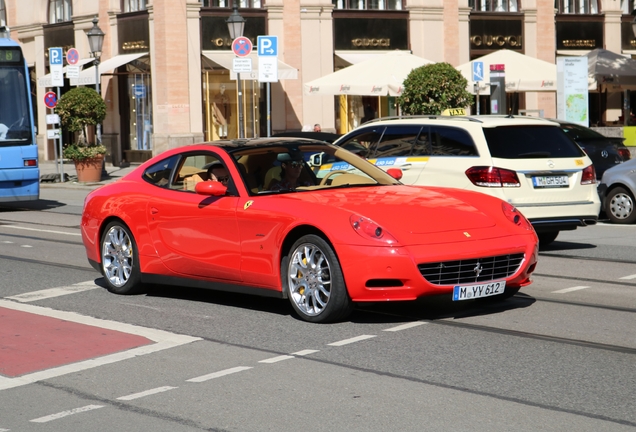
{"type": "Point", "coordinates": [52, 118]}
{"type": "Point", "coordinates": [72, 72]}
{"type": "Point", "coordinates": [56, 64]}
{"type": "Point", "coordinates": [52, 133]}
{"type": "Point", "coordinates": [241, 65]}
{"type": "Point", "coordinates": [267, 69]}
{"type": "Point", "coordinates": [572, 92]}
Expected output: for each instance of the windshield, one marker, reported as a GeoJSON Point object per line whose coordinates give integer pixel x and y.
{"type": "Point", "coordinates": [15, 121]}
{"type": "Point", "coordinates": [296, 167]}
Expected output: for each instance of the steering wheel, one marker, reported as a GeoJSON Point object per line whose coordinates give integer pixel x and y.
{"type": "Point", "coordinates": [329, 175]}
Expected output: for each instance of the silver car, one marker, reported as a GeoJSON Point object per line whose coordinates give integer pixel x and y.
{"type": "Point", "coordinates": [617, 191]}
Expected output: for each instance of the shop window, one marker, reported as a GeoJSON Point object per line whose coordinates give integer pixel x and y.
{"type": "Point", "coordinates": [369, 4]}
{"type": "Point", "coordinates": [627, 6]}
{"type": "Point", "coordinates": [60, 11]}
{"type": "Point", "coordinates": [3, 13]}
{"type": "Point", "coordinates": [134, 5]}
{"type": "Point", "coordinates": [252, 4]}
{"type": "Point", "coordinates": [494, 5]}
{"type": "Point", "coordinates": [576, 6]}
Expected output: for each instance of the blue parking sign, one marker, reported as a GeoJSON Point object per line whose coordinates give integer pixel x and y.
{"type": "Point", "coordinates": [55, 56]}
{"type": "Point", "coordinates": [478, 71]}
{"type": "Point", "coordinates": [267, 46]}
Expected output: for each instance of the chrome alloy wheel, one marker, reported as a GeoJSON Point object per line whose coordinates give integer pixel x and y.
{"type": "Point", "coordinates": [117, 256]}
{"type": "Point", "coordinates": [621, 206]}
{"type": "Point", "coordinates": [309, 276]}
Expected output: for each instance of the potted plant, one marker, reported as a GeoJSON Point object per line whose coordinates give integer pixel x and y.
{"type": "Point", "coordinates": [78, 108]}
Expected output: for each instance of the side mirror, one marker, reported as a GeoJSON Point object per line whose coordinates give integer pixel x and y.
{"type": "Point", "coordinates": [212, 188]}
{"type": "Point", "coordinates": [316, 160]}
{"type": "Point", "coordinates": [396, 173]}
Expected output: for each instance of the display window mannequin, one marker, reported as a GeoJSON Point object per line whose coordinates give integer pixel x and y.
{"type": "Point", "coordinates": [221, 110]}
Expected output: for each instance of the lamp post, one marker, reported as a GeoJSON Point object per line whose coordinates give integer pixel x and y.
{"type": "Point", "coordinates": [95, 42]}
{"type": "Point", "coordinates": [236, 25]}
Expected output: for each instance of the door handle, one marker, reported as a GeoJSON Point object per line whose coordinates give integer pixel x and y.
{"type": "Point", "coordinates": [153, 210]}
{"type": "Point", "coordinates": [406, 166]}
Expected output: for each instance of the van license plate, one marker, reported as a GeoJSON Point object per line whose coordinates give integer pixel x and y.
{"type": "Point", "coordinates": [469, 292]}
{"type": "Point", "coordinates": [550, 181]}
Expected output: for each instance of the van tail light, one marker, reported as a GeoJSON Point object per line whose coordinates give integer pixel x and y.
{"type": "Point", "coordinates": [486, 176]}
{"type": "Point", "coordinates": [624, 153]}
{"type": "Point", "coordinates": [589, 176]}
{"type": "Point", "coordinates": [30, 162]}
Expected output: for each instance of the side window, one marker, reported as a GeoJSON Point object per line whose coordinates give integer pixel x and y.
{"type": "Point", "coordinates": [192, 170]}
{"type": "Point", "coordinates": [449, 141]}
{"type": "Point", "coordinates": [364, 141]}
{"type": "Point", "coordinates": [159, 173]}
{"type": "Point", "coordinates": [399, 141]}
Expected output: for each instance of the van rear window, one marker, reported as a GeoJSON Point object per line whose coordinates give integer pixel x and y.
{"type": "Point", "coordinates": [526, 142]}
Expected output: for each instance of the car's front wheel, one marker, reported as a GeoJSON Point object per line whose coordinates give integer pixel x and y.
{"type": "Point", "coordinates": [619, 206]}
{"type": "Point", "coordinates": [313, 280]}
{"type": "Point", "coordinates": [120, 261]}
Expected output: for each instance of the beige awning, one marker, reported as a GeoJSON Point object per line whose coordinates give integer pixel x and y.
{"type": "Point", "coordinates": [45, 81]}
{"type": "Point", "coordinates": [380, 75]}
{"type": "Point", "coordinates": [523, 73]}
{"type": "Point", "coordinates": [87, 76]}
{"type": "Point", "coordinates": [224, 59]}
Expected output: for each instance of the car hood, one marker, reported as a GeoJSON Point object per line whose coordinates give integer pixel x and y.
{"type": "Point", "coordinates": [410, 210]}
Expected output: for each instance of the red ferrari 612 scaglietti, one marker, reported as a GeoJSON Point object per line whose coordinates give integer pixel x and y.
{"type": "Point", "coordinates": [303, 220]}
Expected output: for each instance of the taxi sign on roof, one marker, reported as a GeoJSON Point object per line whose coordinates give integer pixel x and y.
{"type": "Point", "coordinates": [454, 112]}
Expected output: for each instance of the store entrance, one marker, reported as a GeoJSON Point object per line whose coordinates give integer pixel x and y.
{"type": "Point", "coordinates": [220, 106]}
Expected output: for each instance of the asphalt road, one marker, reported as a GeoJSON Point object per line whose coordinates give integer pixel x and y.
{"type": "Point", "coordinates": [559, 356]}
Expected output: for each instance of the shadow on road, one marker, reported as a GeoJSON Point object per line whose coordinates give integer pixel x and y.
{"type": "Point", "coordinates": [565, 246]}
{"type": "Point", "coordinates": [38, 205]}
{"type": "Point", "coordinates": [430, 308]}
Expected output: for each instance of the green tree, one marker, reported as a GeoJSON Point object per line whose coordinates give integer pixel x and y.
{"type": "Point", "coordinates": [80, 107]}
{"type": "Point", "coordinates": [432, 88]}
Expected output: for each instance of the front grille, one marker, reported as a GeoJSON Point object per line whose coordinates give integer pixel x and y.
{"type": "Point", "coordinates": [472, 270]}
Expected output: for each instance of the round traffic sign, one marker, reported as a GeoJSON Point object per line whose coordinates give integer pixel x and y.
{"type": "Point", "coordinates": [242, 46]}
{"type": "Point", "coordinates": [72, 56]}
{"type": "Point", "coordinates": [50, 99]}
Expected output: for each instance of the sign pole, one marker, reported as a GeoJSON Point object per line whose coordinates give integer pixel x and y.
{"type": "Point", "coordinates": [269, 111]}
{"type": "Point", "coordinates": [58, 141]}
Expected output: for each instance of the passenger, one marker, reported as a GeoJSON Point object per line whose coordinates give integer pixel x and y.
{"type": "Point", "coordinates": [291, 168]}
{"type": "Point", "coordinates": [317, 128]}
{"type": "Point", "coordinates": [218, 173]}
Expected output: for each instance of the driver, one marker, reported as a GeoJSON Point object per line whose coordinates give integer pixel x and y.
{"type": "Point", "coordinates": [292, 164]}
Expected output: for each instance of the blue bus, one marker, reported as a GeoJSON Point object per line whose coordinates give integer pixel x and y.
{"type": "Point", "coordinates": [19, 169]}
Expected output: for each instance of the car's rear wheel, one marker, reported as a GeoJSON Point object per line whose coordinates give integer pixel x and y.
{"type": "Point", "coordinates": [619, 206]}
{"type": "Point", "coordinates": [313, 280]}
{"type": "Point", "coordinates": [120, 261]}
{"type": "Point", "coordinates": [545, 238]}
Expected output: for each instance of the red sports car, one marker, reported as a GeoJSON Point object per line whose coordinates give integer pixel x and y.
{"type": "Point", "coordinates": [303, 220]}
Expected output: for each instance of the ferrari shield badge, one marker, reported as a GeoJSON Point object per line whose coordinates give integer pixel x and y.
{"type": "Point", "coordinates": [248, 204]}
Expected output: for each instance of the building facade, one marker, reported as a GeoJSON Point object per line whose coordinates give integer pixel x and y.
{"type": "Point", "coordinates": [166, 65]}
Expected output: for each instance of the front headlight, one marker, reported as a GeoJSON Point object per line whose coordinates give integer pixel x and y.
{"type": "Point", "coordinates": [515, 216]}
{"type": "Point", "coordinates": [371, 230]}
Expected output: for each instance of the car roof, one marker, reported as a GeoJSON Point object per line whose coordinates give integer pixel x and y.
{"type": "Point", "coordinates": [234, 144]}
{"type": "Point", "coordinates": [483, 120]}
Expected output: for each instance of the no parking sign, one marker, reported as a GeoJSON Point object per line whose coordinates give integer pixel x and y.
{"type": "Point", "coordinates": [242, 46]}
{"type": "Point", "coordinates": [50, 99]}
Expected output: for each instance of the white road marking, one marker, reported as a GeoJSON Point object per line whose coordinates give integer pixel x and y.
{"type": "Point", "coordinates": [54, 292]}
{"type": "Point", "coordinates": [163, 340]}
{"type": "Point", "coordinates": [405, 326]}
{"type": "Point", "coordinates": [5, 430]}
{"type": "Point", "coordinates": [66, 413]}
{"type": "Point", "coordinates": [7, 242]}
{"type": "Point", "coordinates": [277, 359]}
{"type": "Point", "coordinates": [146, 393]}
{"type": "Point", "coordinates": [26, 246]}
{"type": "Point", "coordinates": [305, 352]}
{"type": "Point", "coordinates": [41, 230]}
{"type": "Point", "coordinates": [567, 290]}
{"type": "Point", "coordinates": [219, 374]}
{"type": "Point", "coordinates": [351, 340]}
{"type": "Point", "coordinates": [629, 277]}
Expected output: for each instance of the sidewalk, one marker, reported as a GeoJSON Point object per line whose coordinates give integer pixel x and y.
{"type": "Point", "coordinates": [50, 175]}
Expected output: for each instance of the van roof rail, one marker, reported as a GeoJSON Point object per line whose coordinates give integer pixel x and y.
{"type": "Point", "coordinates": [424, 116]}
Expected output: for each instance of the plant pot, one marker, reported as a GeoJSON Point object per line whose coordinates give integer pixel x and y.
{"type": "Point", "coordinates": [89, 170]}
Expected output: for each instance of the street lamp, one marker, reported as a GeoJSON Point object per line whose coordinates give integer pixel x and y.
{"type": "Point", "coordinates": [95, 42]}
{"type": "Point", "coordinates": [236, 25]}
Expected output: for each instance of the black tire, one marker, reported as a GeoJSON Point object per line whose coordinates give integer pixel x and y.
{"type": "Point", "coordinates": [619, 206]}
{"type": "Point", "coordinates": [120, 259]}
{"type": "Point", "coordinates": [313, 281]}
{"type": "Point", "coordinates": [545, 238]}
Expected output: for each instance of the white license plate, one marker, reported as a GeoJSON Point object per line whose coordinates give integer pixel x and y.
{"type": "Point", "coordinates": [469, 292]}
{"type": "Point", "coordinates": [550, 181]}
